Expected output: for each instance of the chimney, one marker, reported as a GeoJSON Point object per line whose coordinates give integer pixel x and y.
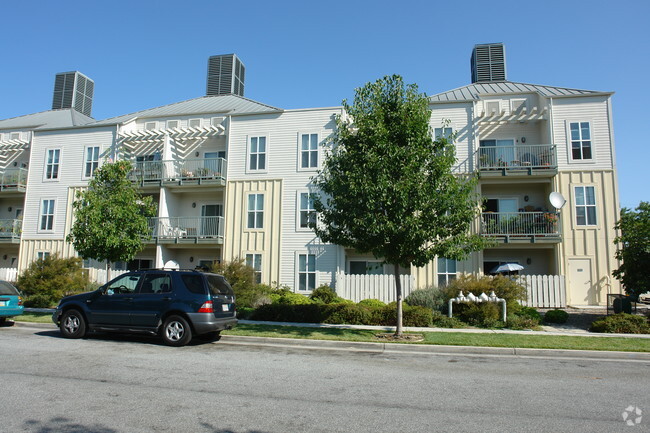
{"type": "Point", "coordinates": [73, 90]}
{"type": "Point", "coordinates": [225, 75]}
{"type": "Point", "coordinates": [488, 63]}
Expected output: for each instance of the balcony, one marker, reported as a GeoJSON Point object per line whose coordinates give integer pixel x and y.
{"type": "Point", "coordinates": [522, 226]}
{"type": "Point", "coordinates": [206, 171]}
{"type": "Point", "coordinates": [13, 180]}
{"type": "Point", "coordinates": [10, 230]}
{"type": "Point", "coordinates": [187, 230]}
{"type": "Point", "coordinates": [519, 160]}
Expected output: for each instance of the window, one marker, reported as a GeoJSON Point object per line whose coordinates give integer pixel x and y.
{"type": "Point", "coordinates": [47, 215]}
{"type": "Point", "coordinates": [123, 284]}
{"type": "Point", "coordinates": [255, 262]}
{"type": "Point", "coordinates": [446, 271]}
{"type": "Point", "coordinates": [42, 255]}
{"type": "Point", "coordinates": [156, 283]}
{"type": "Point", "coordinates": [517, 105]}
{"type": "Point", "coordinates": [195, 123]}
{"type": "Point", "coordinates": [52, 164]}
{"type": "Point", "coordinates": [362, 267]}
{"type": "Point", "coordinates": [585, 201]}
{"type": "Point", "coordinates": [309, 151]}
{"type": "Point", "coordinates": [443, 133]}
{"type": "Point", "coordinates": [92, 161]}
{"type": "Point", "coordinates": [307, 212]}
{"type": "Point", "coordinates": [257, 153]}
{"type": "Point", "coordinates": [255, 211]}
{"type": "Point", "coordinates": [150, 126]}
{"type": "Point", "coordinates": [580, 140]}
{"type": "Point", "coordinates": [306, 272]}
{"type": "Point", "coordinates": [172, 124]}
{"type": "Point", "coordinates": [15, 136]}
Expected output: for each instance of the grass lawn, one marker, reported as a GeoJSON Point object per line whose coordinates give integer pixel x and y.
{"type": "Point", "coordinates": [441, 338]}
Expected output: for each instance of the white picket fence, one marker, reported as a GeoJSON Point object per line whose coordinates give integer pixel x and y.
{"type": "Point", "coordinates": [99, 275]}
{"type": "Point", "coordinates": [9, 274]}
{"type": "Point", "coordinates": [382, 287]}
{"type": "Point", "coordinates": [544, 291]}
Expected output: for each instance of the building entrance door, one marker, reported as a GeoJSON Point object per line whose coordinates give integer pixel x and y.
{"type": "Point", "coordinates": [580, 287]}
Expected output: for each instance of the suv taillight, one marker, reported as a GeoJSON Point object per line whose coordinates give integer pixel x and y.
{"type": "Point", "coordinates": [20, 300]}
{"type": "Point", "coordinates": [207, 307]}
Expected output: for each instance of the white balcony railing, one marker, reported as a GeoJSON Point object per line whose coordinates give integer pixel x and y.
{"type": "Point", "coordinates": [192, 228]}
{"type": "Point", "coordinates": [10, 228]}
{"type": "Point", "coordinates": [538, 156]}
{"type": "Point", "coordinates": [520, 224]}
{"type": "Point", "coordinates": [13, 179]}
{"type": "Point", "coordinates": [179, 170]}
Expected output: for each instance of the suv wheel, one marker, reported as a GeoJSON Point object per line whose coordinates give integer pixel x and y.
{"type": "Point", "coordinates": [73, 324]}
{"type": "Point", "coordinates": [176, 331]}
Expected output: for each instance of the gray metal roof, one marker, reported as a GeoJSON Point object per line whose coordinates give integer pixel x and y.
{"type": "Point", "coordinates": [223, 104]}
{"type": "Point", "coordinates": [47, 119]}
{"type": "Point", "coordinates": [475, 91]}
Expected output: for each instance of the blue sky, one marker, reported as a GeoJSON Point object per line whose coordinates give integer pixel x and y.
{"type": "Point", "coordinates": [300, 54]}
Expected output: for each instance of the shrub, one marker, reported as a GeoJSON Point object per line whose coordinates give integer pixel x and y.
{"type": "Point", "coordinates": [484, 315]}
{"type": "Point", "coordinates": [305, 313]}
{"type": "Point", "coordinates": [621, 323]}
{"type": "Point", "coordinates": [48, 280]}
{"type": "Point", "coordinates": [530, 313]}
{"type": "Point", "coordinates": [242, 279]}
{"type": "Point", "coordinates": [287, 297]}
{"type": "Point", "coordinates": [352, 314]}
{"type": "Point", "coordinates": [441, 321]}
{"type": "Point", "coordinates": [411, 316]}
{"type": "Point", "coordinates": [324, 294]}
{"type": "Point", "coordinates": [372, 303]}
{"type": "Point", "coordinates": [556, 316]}
{"type": "Point", "coordinates": [515, 321]}
{"type": "Point", "coordinates": [429, 297]}
{"type": "Point", "coordinates": [245, 312]}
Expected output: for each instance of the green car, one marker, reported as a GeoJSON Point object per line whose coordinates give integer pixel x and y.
{"type": "Point", "coordinates": [11, 302]}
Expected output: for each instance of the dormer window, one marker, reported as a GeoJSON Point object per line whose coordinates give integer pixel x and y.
{"type": "Point", "coordinates": [149, 126]}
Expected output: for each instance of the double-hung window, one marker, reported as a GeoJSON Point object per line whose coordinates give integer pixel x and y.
{"type": "Point", "coordinates": [255, 262]}
{"type": "Point", "coordinates": [92, 161]}
{"type": "Point", "coordinates": [42, 255]}
{"type": "Point", "coordinates": [580, 140]}
{"type": "Point", "coordinates": [585, 203]}
{"type": "Point", "coordinates": [307, 211]}
{"type": "Point", "coordinates": [255, 211]}
{"type": "Point", "coordinates": [309, 151]}
{"type": "Point", "coordinates": [52, 164]}
{"type": "Point", "coordinates": [446, 271]}
{"type": "Point", "coordinates": [47, 215]}
{"type": "Point", "coordinates": [306, 272]}
{"type": "Point", "coordinates": [443, 133]}
{"type": "Point", "coordinates": [257, 153]}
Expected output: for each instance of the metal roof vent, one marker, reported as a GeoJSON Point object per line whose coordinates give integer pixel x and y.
{"type": "Point", "coordinates": [73, 90]}
{"type": "Point", "coordinates": [225, 75]}
{"type": "Point", "coordinates": [488, 63]}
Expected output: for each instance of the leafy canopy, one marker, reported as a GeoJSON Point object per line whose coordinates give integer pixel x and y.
{"type": "Point", "coordinates": [634, 249]}
{"type": "Point", "coordinates": [388, 187]}
{"type": "Point", "coordinates": [111, 216]}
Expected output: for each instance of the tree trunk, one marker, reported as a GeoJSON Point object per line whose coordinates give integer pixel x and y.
{"type": "Point", "coordinates": [398, 290]}
{"type": "Point", "coordinates": [108, 271]}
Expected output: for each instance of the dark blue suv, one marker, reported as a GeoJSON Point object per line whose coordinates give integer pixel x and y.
{"type": "Point", "coordinates": [175, 304]}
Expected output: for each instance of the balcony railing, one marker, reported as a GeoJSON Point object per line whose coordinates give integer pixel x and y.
{"type": "Point", "coordinates": [521, 224]}
{"type": "Point", "coordinates": [13, 179]}
{"type": "Point", "coordinates": [208, 228]}
{"type": "Point", "coordinates": [179, 170]}
{"type": "Point", "coordinates": [10, 229]}
{"type": "Point", "coordinates": [520, 157]}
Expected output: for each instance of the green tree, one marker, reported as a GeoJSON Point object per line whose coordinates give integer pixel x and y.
{"type": "Point", "coordinates": [111, 216]}
{"type": "Point", "coordinates": [387, 188]}
{"type": "Point", "coordinates": [47, 280]}
{"type": "Point", "coordinates": [634, 249]}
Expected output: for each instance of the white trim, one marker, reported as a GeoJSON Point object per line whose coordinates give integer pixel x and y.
{"type": "Point", "coordinates": [246, 210]}
{"type": "Point", "coordinates": [41, 215]}
{"type": "Point", "coordinates": [574, 209]}
{"type": "Point", "coordinates": [318, 151]}
{"type": "Point", "coordinates": [194, 119]}
{"type": "Point", "coordinates": [261, 269]}
{"type": "Point", "coordinates": [85, 161]}
{"type": "Point", "coordinates": [569, 145]}
{"type": "Point", "coordinates": [299, 192]}
{"type": "Point", "coordinates": [178, 123]}
{"type": "Point", "coordinates": [297, 255]}
{"type": "Point", "coordinates": [59, 165]}
{"type": "Point", "coordinates": [266, 154]}
{"type": "Point", "coordinates": [147, 125]}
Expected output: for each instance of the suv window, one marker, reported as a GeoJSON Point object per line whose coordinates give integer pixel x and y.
{"type": "Point", "coordinates": [124, 284]}
{"type": "Point", "coordinates": [194, 283]}
{"type": "Point", "coordinates": [218, 285]}
{"type": "Point", "coordinates": [156, 283]}
{"type": "Point", "coordinates": [7, 289]}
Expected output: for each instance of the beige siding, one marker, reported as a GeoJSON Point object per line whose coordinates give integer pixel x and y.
{"type": "Point", "coordinates": [460, 117]}
{"type": "Point", "coordinates": [239, 240]}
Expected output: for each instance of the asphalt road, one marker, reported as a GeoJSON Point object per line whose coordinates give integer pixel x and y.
{"type": "Point", "coordinates": [135, 384]}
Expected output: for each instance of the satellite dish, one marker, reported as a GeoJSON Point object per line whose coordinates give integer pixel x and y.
{"type": "Point", "coordinates": [557, 200]}
{"type": "Point", "coordinates": [172, 264]}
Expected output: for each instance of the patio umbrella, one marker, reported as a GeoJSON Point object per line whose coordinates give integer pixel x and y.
{"type": "Point", "coordinates": [507, 267]}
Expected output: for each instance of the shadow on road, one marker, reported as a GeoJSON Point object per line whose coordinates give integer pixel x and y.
{"type": "Point", "coordinates": [61, 424]}
{"type": "Point", "coordinates": [120, 338]}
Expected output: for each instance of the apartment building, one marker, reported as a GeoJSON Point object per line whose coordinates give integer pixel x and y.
{"type": "Point", "coordinates": [231, 177]}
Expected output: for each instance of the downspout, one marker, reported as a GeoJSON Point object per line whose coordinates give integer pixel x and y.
{"type": "Point", "coordinates": [556, 186]}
